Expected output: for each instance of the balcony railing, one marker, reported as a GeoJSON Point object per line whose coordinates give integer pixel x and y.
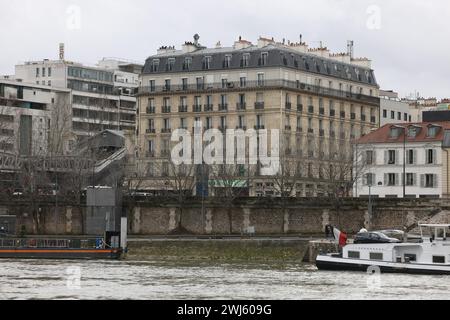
{"type": "Point", "coordinates": [343, 115]}
{"type": "Point", "coordinates": [166, 109]}
{"type": "Point", "coordinates": [373, 119]}
{"type": "Point", "coordinates": [299, 129]}
{"type": "Point", "coordinates": [299, 108]}
{"type": "Point", "coordinates": [288, 106]}
{"type": "Point", "coordinates": [166, 130]}
{"type": "Point", "coordinates": [197, 108]}
{"type": "Point", "coordinates": [209, 107]}
{"type": "Point", "coordinates": [321, 133]}
{"type": "Point", "coordinates": [223, 107]}
{"type": "Point", "coordinates": [151, 110]}
{"type": "Point", "coordinates": [363, 117]}
{"type": "Point", "coordinates": [288, 128]}
{"type": "Point", "coordinates": [150, 131]}
{"type": "Point", "coordinates": [259, 105]}
{"type": "Point", "coordinates": [332, 113]}
{"type": "Point", "coordinates": [260, 127]}
{"type": "Point", "coordinates": [270, 84]}
{"type": "Point", "coordinates": [310, 109]}
{"type": "Point", "coordinates": [183, 109]}
{"type": "Point", "coordinates": [311, 131]}
{"type": "Point", "coordinates": [241, 106]}
{"type": "Point", "coordinates": [321, 111]}
{"type": "Point", "coordinates": [352, 116]}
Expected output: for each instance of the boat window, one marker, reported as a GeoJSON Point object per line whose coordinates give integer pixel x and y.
{"type": "Point", "coordinates": [438, 259]}
{"type": "Point", "coordinates": [376, 256]}
{"type": "Point", "coordinates": [410, 257]}
{"type": "Point", "coordinates": [353, 254]}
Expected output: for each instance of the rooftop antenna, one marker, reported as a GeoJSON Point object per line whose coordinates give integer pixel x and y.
{"type": "Point", "coordinates": [301, 37]}
{"type": "Point", "coordinates": [350, 48]}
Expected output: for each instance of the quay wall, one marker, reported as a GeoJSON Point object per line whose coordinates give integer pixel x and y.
{"type": "Point", "coordinates": [160, 216]}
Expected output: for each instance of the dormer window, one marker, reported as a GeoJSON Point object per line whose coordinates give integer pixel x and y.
{"type": "Point", "coordinates": [395, 133]}
{"type": "Point", "coordinates": [227, 61]}
{"type": "Point", "coordinates": [245, 60]}
{"type": "Point", "coordinates": [187, 63]}
{"type": "Point", "coordinates": [170, 64]}
{"type": "Point", "coordinates": [264, 58]}
{"type": "Point", "coordinates": [155, 65]}
{"type": "Point", "coordinates": [412, 132]}
{"type": "Point", "coordinates": [207, 63]}
{"type": "Point", "coordinates": [432, 131]}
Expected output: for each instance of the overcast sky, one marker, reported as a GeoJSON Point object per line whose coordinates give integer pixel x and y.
{"type": "Point", "coordinates": [408, 40]}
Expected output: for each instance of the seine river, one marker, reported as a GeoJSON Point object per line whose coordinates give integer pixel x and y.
{"type": "Point", "coordinates": [204, 280]}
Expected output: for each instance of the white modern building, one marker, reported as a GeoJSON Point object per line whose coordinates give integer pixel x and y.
{"type": "Point", "coordinates": [103, 97]}
{"type": "Point", "coordinates": [393, 110]}
{"type": "Point", "coordinates": [32, 119]}
{"type": "Point", "coordinates": [392, 165]}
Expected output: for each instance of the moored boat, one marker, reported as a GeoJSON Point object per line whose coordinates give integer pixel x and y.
{"type": "Point", "coordinates": [376, 251]}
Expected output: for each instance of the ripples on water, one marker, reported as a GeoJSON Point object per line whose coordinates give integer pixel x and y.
{"type": "Point", "coordinates": [157, 280]}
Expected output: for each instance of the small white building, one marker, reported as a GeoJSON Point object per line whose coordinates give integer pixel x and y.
{"type": "Point", "coordinates": [393, 110]}
{"type": "Point", "coordinates": [392, 165]}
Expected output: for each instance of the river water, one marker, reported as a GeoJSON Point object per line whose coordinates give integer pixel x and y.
{"type": "Point", "coordinates": [157, 280]}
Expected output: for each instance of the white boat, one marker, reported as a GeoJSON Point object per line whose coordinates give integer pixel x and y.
{"type": "Point", "coordinates": [428, 255]}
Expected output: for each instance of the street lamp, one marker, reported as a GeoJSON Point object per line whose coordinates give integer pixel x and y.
{"type": "Point", "coordinates": [404, 158]}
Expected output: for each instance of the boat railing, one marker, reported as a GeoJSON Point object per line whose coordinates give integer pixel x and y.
{"type": "Point", "coordinates": [52, 243]}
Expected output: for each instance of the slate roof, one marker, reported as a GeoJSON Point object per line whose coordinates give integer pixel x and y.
{"type": "Point", "coordinates": [278, 56]}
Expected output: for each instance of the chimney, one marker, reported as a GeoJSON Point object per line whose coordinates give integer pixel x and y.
{"type": "Point", "coordinates": [61, 51]}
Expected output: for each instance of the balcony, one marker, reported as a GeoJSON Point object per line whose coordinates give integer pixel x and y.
{"type": "Point", "coordinates": [332, 113]}
{"type": "Point", "coordinates": [222, 128]}
{"type": "Point", "coordinates": [310, 109]}
{"type": "Point", "coordinates": [299, 129]}
{"type": "Point", "coordinates": [332, 134]}
{"type": "Point", "coordinates": [166, 109]}
{"type": "Point", "coordinates": [342, 136]}
{"type": "Point", "coordinates": [150, 154]}
{"type": "Point", "coordinates": [373, 119]}
{"type": "Point", "coordinates": [352, 116]}
{"type": "Point", "coordinates": [321, 133]}
{"type": "Point", "coordinates": [342, 114]}
{"type": "Point", "coordinates": [209, 107]}
{"type": "Point", "coordinates": [241, 128]}
{"type": "Point", "coordinates": [259, 105]}
{"type": "Point", "coordinates": [197, 108]}
{"type": "Point", "coordinates": [223, 107]}
{"type": "Point", "coordinates": [288, 106]}
{"type": "Point", "coordinates": [287, 128]}
{"type": "Point", "coordinates": [150, 131]}
{"type": "Point", "coordinates": [270, 84]}
{"type": "Point", "coordinates": [311, 131]}
{"type": "Point", "coordinates": [165, 153]}
{"type": "Point", "coordinates": [166, 130]}
{"type": "Point", "coordinates": [363, 117]}
{"type": "Point", "coordinates": [183, 109]}
{"type": "Point", "coordinates": [299, 108]}
{"type": "Point", "coordinates": [241, 106]}
{"type": "Point", "coordinates": [151, 110]}
{"type": "Point", "coordinates": [322, 111]}
{"type": "Point", "coordinates": [259, 127]}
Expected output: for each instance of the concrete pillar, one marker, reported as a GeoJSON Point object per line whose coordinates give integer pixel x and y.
{"type": "Point", "coordinates": [209, 221]}
{"type": "Point", "coordinates": [69, 220]}
{"type": "Point", "coordinates": [246, 218]}
{"type": "Point", "coordinates": [136, 225]}
{"type": "Point", "coordinates": [325, 219]}
{"type": "Point", "coordinates": [286, 222]}
{"type": "Point", "coordinates": [172, 219]}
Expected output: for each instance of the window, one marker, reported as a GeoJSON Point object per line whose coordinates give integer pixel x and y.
{"type": "Point", "coordinates": [187, 63]}
{"type": "Point", "coordinates": [376, 256]}
{"type": "Point", "coordinates": [391, 157]}
{"type": "Point", "coordinates": [392, 179]}
{"type": "Point", "coordinates": [208, 123]}
{"type": "Point", "coordinates": [410, 157]}
{"type": "Point", "coordinates": [243, 82]}
{"type": "Point", "coordinates": [49, 71]}
{"type": "Point", "coordinates": [410, 257]}
{"type": "Point", "coordinates": [399, 116]}
{"type": "Point", "coordinates": [438, 259]}
{"type": "Point", "coordinates": [412, 132]}
{"type": "Point", "coordinates": [392, 115]}
{"type": "Point", "coordinates": [432, 131]}
{"type": "Point", "coordinates": [410, 179]}
{"type": "Point", "coordinates": [369, 157]}
{"type": "Point", "coordinates": [183, 123]}
{"type": "Point", "coordinates": [227, 61]}
{"type": "Point", "coordinates": [184, 83]}
{"type": "Point", "coordinates": [167, 85]}
{"type": "Point", "coordinates": [384, 113]}
{"type": "Point", "coordinates": [199, 82]}
{"type": "Point", "coordinates": [43, 72]}
{"type": "Point", "coordinates": [405, 117]}
{"type": "Point", "coordinates": [429, 181]}
{"type": "Point", "coordinates": [264, 58]}
{"type": "Point", "coordinates": [260, 79]}
{"type": "Point", "coordinates": [155, 65]}
{"type": "Point", "coordinates": [369, 179]}
{"type": "Point", "coordinates": [207, 63]}
{"type": "Point", "coordinates": [37, 72]}
{"type": "Point", "coordinates": [245, 60]}
{"type": "Point", "coordinates": [431, 156]}
{"type": "Point", "coordinates": [170, 64]}
{"type": "Point", "coordinates": [353, 254]}
{"type": "Point", "coordinates": [152, 85]}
